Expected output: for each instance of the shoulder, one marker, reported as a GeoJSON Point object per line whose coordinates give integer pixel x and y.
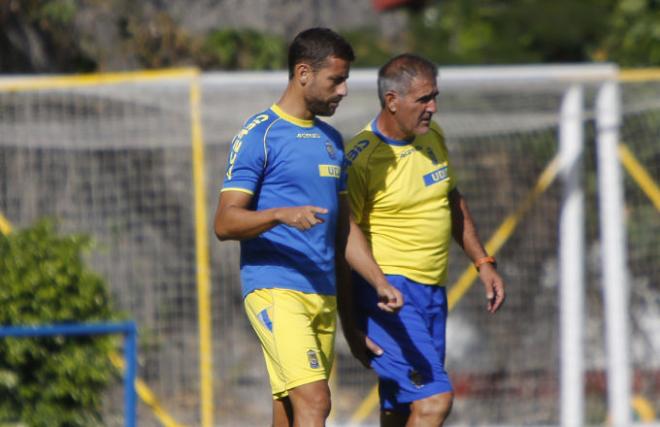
{"type": "Point", "coordinates": [360, 146]}
{"type": "Point", "coordinates": [437, 131]}
{"type": "Point", "coordinates": [329, 130]}
{"type": "Point", "coordinates": [257, 125]}
{"type": "Point", "coordinates": [438, 135]}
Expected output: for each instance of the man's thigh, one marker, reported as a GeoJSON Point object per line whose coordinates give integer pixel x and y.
{"type": "Point", "coordinates": [297, 332]}
{"type": "Point", "coordinates": [412, 365]}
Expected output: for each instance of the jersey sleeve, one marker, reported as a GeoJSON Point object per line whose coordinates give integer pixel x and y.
{"type": "Point", "coordinates": [245, 162]}
{"type": "Point", "coordinates": [356, 184]}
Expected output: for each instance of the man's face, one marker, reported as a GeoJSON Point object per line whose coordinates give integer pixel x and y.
{"type": "Point", "coordinates": [415, 109]}
{"type": "Point", "coordinates": [327, 87]}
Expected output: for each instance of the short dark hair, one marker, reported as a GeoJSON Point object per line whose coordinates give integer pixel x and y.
{"type": "Point", "coordinates": [398, 72]}
{"type": "Point", "coordinates": [315, 45]}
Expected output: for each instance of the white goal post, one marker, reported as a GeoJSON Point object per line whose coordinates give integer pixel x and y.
{"type": "Point", "coordinates": [578, 84]}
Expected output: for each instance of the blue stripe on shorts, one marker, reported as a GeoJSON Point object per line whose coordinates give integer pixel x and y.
{"type": "Point", "coordinates": [265, 319]}
{"type": "Point", "coordinates": [413, 340]}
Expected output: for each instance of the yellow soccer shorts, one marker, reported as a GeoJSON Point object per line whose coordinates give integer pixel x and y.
{"type": "Point", "coordinates": [297, 335]}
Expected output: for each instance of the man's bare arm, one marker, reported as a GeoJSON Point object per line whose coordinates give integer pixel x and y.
{"type": "Point", "coordinates": [235, 221]}
{"type": "Point", "coordinates": [360, 258]}
{"type": "Point", "coordinates": [465, 233]}
{"type": "Point", "coordinates": [361, 346]}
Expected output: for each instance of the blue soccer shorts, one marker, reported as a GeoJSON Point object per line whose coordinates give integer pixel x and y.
{"type": "Point", "coordinates": [412, 366]}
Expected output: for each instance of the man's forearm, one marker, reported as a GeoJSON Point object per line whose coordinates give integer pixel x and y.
{"type": "Point", "coordinates": [464, 230]}
{"type": "Point", "coordinates": [360, 258]}
{"type": "Point", "coordinates": [239, 223]}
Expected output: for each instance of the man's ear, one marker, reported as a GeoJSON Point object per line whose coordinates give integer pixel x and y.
{"type": "Point", "coordinates": [303, 72]}
{"type": "Point", "coordinates": [391, 101]}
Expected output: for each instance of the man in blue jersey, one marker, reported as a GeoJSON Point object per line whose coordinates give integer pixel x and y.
{"type": "Point", "coordinates": [404, 198]}
{"type": "Point", "coordinates": [284, 198]}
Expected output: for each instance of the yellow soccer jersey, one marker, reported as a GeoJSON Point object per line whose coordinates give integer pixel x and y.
{"type": "Point", "coordinates": [399, 197]}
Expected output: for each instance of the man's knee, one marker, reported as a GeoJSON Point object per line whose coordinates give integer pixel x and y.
{"type": "Point", "coordinates": [435, 407]}
{"type": "Point", "coordinates": [313, 398]}
{"type": "Point", "coordinates": [319, 403]}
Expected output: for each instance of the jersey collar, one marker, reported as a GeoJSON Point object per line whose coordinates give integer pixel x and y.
{"type": "Point", "coordinates": [289, 118]}
{"type": "Point", "coordinates": [379, 134]}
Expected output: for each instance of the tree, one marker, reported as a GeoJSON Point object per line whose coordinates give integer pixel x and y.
{"type": "Point", "coordinates": [40, 36]}
{"type": "Point", "coordinates": [633, 37]}
{"type": "Point", "coordinates": [51, 381]}
{"type": "Point", "coordinates": [510, 31]}
{"type": "Point", "coordinates": [243, 49]}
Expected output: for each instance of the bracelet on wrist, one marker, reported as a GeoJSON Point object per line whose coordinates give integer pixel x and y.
{"type": "Point", "coordinates": [485, 260]}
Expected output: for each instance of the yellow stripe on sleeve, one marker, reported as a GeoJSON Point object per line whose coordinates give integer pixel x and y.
{"type": "Point", "coordinates": [242, 190]}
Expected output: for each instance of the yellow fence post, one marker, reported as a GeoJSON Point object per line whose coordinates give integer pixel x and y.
{"type": "Point", "coordinates": [5, 226]}
{"type": "Point", "coordinates": [202, 254]}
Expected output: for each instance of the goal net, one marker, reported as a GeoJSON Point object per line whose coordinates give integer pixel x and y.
{"type": "Point", "coordinates": [110, 156]}
{"type": "Point", "coordinates": [114, 159]}
{"type": "Point", "coordinates": [502, 126]}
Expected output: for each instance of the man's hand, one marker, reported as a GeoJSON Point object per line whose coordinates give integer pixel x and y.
{"type": "Point", "coordinates": [301, 217]}
{"type": "Point", "coordinates": [389, 297]}
{"type": "Point", "coordinates": [494, 287]}
{"type": "Point", "coordinates": [362, 348]}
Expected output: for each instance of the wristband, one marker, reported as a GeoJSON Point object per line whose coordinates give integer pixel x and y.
{"type": "Point", "coordinates": [485, 260]}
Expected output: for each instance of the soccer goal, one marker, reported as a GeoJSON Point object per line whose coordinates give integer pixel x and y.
{"type": "Point", "coordinates": [559, 164]}
{"type": "Point", "coordinates": [119, 157]}
{"type": "Point", "coordinates": [536, 150]}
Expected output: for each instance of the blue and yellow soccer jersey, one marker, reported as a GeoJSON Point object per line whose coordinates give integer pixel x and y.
{"type": "Point", "coordinates": [399, 197]}
{"type": "Point", "coordinates": [283, 161]}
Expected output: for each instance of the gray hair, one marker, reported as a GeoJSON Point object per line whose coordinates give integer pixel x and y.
{"type": "Point", "coordinates": [397, 74]}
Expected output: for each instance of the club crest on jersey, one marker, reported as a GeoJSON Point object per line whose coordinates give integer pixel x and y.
{"type": "Point", "coordinates": [313, 359]}
{"type": "Point", "coordinates": [331, 150]}
{"type": "Point", "coordinates": [436, 176]}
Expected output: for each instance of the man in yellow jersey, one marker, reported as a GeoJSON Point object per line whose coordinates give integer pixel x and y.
{"type": "Point", "coordinates": [284, 198]}
{"type": "Point", "coordinates": [404, 198]}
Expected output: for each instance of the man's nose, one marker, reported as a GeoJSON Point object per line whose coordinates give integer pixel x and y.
{"type": "Point", "coordinates": [432, 106]}
{"type": "Point", "coordinates": [342, 89]}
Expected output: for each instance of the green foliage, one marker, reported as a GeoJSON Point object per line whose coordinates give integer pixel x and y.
{"type": "Point", "coordinates": [634, 36]}
{"type": "Point", "coordinates": [370, 49]}
{"type": "Point", "coordinates": [156, 41]}
{"type": "Point", "coordinates": [59, 11]}
{"type": "Point", "coordinates": [41, 36]}
{"type": "Point", "coordinates": [46, 36]}
{"type": "Point", "coordinates": [510, 31]}
{"type": "Point", "coordinates": [244, 49]}
{"type": "Point", "coordinates": [51, 381]}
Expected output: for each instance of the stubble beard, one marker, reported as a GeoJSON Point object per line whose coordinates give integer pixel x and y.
{"type": "Point", "coordinates": [324, 108]}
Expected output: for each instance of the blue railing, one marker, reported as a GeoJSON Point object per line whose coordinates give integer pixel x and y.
{"type": "Point", "coordinates": [127, 329]}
